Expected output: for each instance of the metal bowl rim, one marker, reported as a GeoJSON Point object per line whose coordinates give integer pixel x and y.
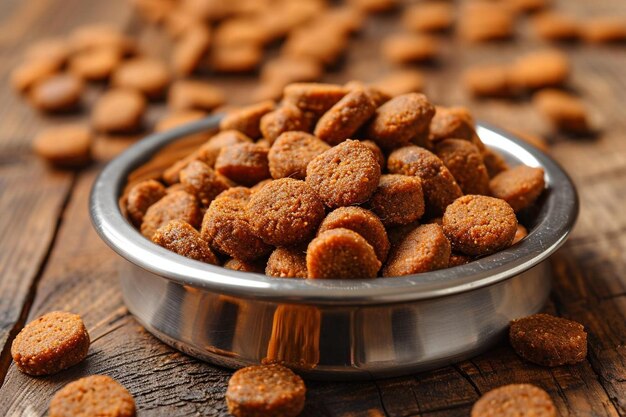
{"type": "Point", "coordinates": [561, 208]}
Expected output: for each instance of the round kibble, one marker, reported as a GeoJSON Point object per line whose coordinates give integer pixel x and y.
{"type": "Point", "coordinates": [210, 150]}
{"type": "Point", "coordinates": [57, 93]}
{"type": "Point", "coordinates": [178, 118]}
{"type": "Point", "coordinates": [519, 400]}
{"type": "Point", "coordinates": [429, 17]}
{"type": "Point", "coordinates": [344, 175]}
{"type": "Point", "coordinates": [118, 111]}
{"type": "Point", "coordinates": [457, 259]}
{"type": "Point", "coordinates": [479, 225]}
{"type": "Point", "coordinates": [190, 49]}
{"type": "Point", "coordinates": [466, 165]}
{"type": "Point", "coordinates": [244, 163]}
{"type": "Point", "coordinates": [228, 228]}
{"type": "Point", "coordinates": [256, 267]}
{"type": "Point", "coordinates": [200, 180]}
{"type": "Point", "coordinates": [55, 50]}
{"type": "Point", "coordinates": [194, 95]}
{"type": "Point", "coordinates": [494, 162]}
{"type": "Point", "coordinates": [178, 205]}
{"type": "Point", "coordinates": [247, 119]}
{"type": "Point", "coordinates": [540, 69]}
{"type": "Point", "coordinates": [423, 249]}
{"type": "Point", "coordinates": [148, 76]}
{"type": "Point", "coordinates": [361, 221]}
{"type": "Point", "coordinates": [555, 26]}
{"type": "Point", "coordinates": [314, 98]}
{"type": "Point", "coordinates": [95, 395]}
{"type": "Point", "coordinates": [286, 118]}
{"type": "Point", "coordinates": [96, 64]}
{"type": "Point", "coordinates": [179, 237]}
{"type": "Point", "coordinates": [398, 199]}
{"type": "Point", "coordinates": [291, 153]}
{"type": "Point", "coordinates": [287, 263]}
{"type": "Point", "coordinates": [401, 82]}
{"type": "Point", "coordinates": [265, 391]}
{"type": "Point", "coordinates": [343, 119]}
{"type": "Point", "coordinates": [440, 187]}
{"type": "Point", "coordinates": [407, 48]}
{"type": "Point", "coordinates": [488, 81]}
{"type": "Point", "coordinates": [604, 29]}
{"type": "Point", "coordinates": [341, 254]}
{"type": "Point", "coordinates": [141, 196]}
{"type": "Point", "coordinates": [98, 36]}
{"type": "Point", "coordinates": [285, 212]}
{"type": "Point", "coordinates": [400, 120]}
{"type": "Point", "coordinates": [64, 146]}
{"type": "Point", "coordinates": [564, 110]}
{"type": "Point", "coordinates": [51, 343]}
{"type": "Point", "coordinates": [549, 341]}
{"type": "Point", "coordinates": [453, 123]}
{"type": "Point", "coordinates": [29, 73]}
{"type": "Point", "coordinates": [378, 153]}
{"type": "Point", "coordinates": [519, 186]}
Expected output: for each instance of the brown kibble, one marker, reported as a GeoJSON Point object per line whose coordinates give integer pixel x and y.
{"type": "Point", "coordinates": [243, 266]}
{"type": "Point", "coordinates": [285, 118]}
{"type": "Point", "coordinates": [320, 41]}
{"type": "Point", "coordinates": [287, 263]}
{"type": "Point", "coordinates": [484, 21]}
{"type": "Point", "coordinates": [556, 26]}
{"type": "Point", "coordinates": [56, 50]}
{"type": "Point", "coordinates": [291, 153]}
{"type": "Point", "coordinates": [401, 82]}
{"type": "Point", "coordinates": [285, 70]}
{"type": "Point", "coordinates": [236, 58]}
{"type": "Point", "coordinates": [200, 180]}
{"type": "Point", "coordinates": [520, 234]}
{"type": "Point", "coordinates": [406, 48]}
{"type": "Point", "coordinates": [190, 49]}
{"type": "Point", "coordinates": [198, 95]}
{"type": "Point", "coordinates": [285, 212]}
{"type": "Point", "coordinates": [549, 341]}
{"type": "Point", "coordinates": [341, 254]}
{"type": "Point", "coordinates": [376, 95]}
{"type": "Point", "coordinates": [564, 110]}
{"type": "Point", "coordinates": [119, 111]}
{"type": "Point", "coordinates": [141, 196]}
{"type": "Point", "coordinates": [32, 72]}
{"type": "Point", "coordinates": [540, 69]}
{"type": "Point", "coordinates": [179, 237]}
{"type": "Point", "coordinates": [361, 221]}
{"type": "Point", "coordinates": [243, 163]}
{"type": "Point", "coordinates": [428, 17]}
{"type": "Point", "coordinates": [453, 123]}
{"type": "Point", "coordinates": [465, 162]}
{"type": "Point", "coordinates": [64, 146]}
{"type": "Point", "coordinates": [345, 117]}
{"type": "Point", "coordinates": [313, 97]}
{"type": "Point", "coordinates": [604, 29]}
{"type": "Point", "coordinates": [210, 150]}
{"type": "Point", "coordinates": [95, 395]}
{"type": "Point", "coordinates": [515, 400]}
{"type": "Point", "coordinates": [247, 119]}
{"type": "Point", "coordinates": [479, 225]}
{"type": "Point", "coordinates": [494, 162]}
{"type": "Point", "coordinates": [228, 228]}
{"type": "Point", "coordinates": [178, 205]}
{"type": "Point", "coordinates": [374, 6]}
{"type": "Point", "coordinates": [265, 391]}
{"type": "Point", "coordinates": [61, 92]}
{"type": "Point", "coordinates": [440, 187]}
{"type": "Point", "coordinates": [535, 140]}
{"type": "Point", "coordinates": [99, 36]}
{"type": "Point", "coordinates": [488, 81]}
{"type": "Point", "coordinates": [457, 259]}
{"type": "Point", "coordinates": [344, 175]}
{"type": "Point", "coordinates": [148, 76]}
{"type": "Point", "coordinates": [378, 153]}
{"type": "Point", "coordinates": [237, 31]}
{"type": "Point", "coordinates": [423, 249]}
{"type": "Point", "coordinates": [398, 200]}
{"type": "Point", "coordinates": [51, 343]}
{"type": "Point", "coordinates": [528, 6]}
{"type": "Point", "coordinates": [95, 64]}
{"type": "Point", "coordinates": [519, 186]}
{"type": "Point", "coordinates": [178, 118]}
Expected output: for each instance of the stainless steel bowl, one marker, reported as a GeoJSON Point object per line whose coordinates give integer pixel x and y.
{"type": "Point", "coordinates": [334, 329]}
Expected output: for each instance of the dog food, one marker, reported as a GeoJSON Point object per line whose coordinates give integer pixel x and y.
{"type": "Point", "coordinates": [64, 146]}
{"type": "Point", "coordinates": [398, 199]}
{"type": "Point", "coordinates": [287, 263]}
{"type": "Point", "coordinates": [428, 17]}
{"type": "Point", "coordinates": [291, 153]}
{"type": "Point", "coordinates": [519, 186]}
{"type": "Point", "coordinates": [286, 118]}
{"type": "Point", "coordinates": [243, 163]}
{"type": "Point", "coordinates": [57, 93]}
{"type": "Point", "coordinates": [141, 196]}
{"type": "Point", "coordinates": [247, 119]}
{"type": "Point", "coordinates": [179, 237]}
{"type": "Point", "coordinates": [540, 69]}
{"type": "Point", "coordinates": [424, 249]}
{"type": "Point", "coordinates": [119, 111]}
{"type": "Point", "coordinates": [178, 205]}
{"type": "Point", "coordinates": [515, 400]}
{"type": "Point", "coordinates": [194, 95]}
{"type": "Point", "coordinates": [407, 48]}
{"type": "Point", "coordinates": [465, 163]}
{"type": "Point", "coordinates": [488, 81]}
{"type": "Point", "coordinates": [145, 75]}
{"type": "Point", "coordinates": [563, 110]}
{"type": "Point", "coordinates": [343, 119]}
{"type": "Point", "coordinates": [200, 180]}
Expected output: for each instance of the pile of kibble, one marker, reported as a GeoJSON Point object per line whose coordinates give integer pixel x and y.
{"type": "Point", "coordinates": [338, 182]}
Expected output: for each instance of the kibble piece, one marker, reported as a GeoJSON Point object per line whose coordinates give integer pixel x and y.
{"type": "Point", "coordinates": [178, 205]}
{"type": "Point", "coordinates": [604, 29]}
{"type": "Point", "coordinates": [148, 76]}
{"type": "Point", "coordinates": [537, 141]}
{"type": "Point", "coordinates": [344, 175]}
{"type": "Point", "coordinates": [287, 263]}
{"type": "Point", "coordinates": [519, 186]}
{"type": "Point", "coordinates": [430, 16]}
{"type": "Point", "coordinates": [95, 64]}
{"type": "Point", "coordinates": [520, 234]}
{"type": "Point", "coordinates": [453, 123]}
{"type": "Point", "coordinates": [190, 49]}
{"type": "Point", "coordinates": [494, 162]}
{"type": "Point", "coordinates": [409, 48]}
{"type": "Point", "coordinates": [440, 187]}
{"type": "Point", "coordinates": [423, 249]}
{"type": "Point", "coordinates": [50, 343]}
{"type": "Point", "coordinates": [200, 180]}
{"type": "Point", "coordinates": [179, 237]}
{"type": "Point", "coordinates": [361, 221]}
{"type": "Point", "coordinates": [247, 119]}
{"type": "Point", "coordinates": [564, 110]}
{"type": "Point", "coordinates": [540, 69]}
{"type": "Point", "coordinates": [141, 196]}
{"type": "Point", "coordinates": [285, 70]}
{"type": "Point", "coordinates": [119, 111]}
{"type": "Point", "coordinates": [101, 36]}
{"type": "Point", "coordinates": [95, 395]}
{"type": "Point", "coordinates": [528, 6]}
{"type": "Point", "coordinates": [457, 259]}
{"type": "Point", "coordinates": [400, 120]}
{"type": "Point", "coordinates": [32, 72]}
{"type": "Point", "coordinates": [210, 150]}
{"type": "Point", "coordinates": [285, 212]}
{"type": "Point", "coordinates": [377, 96]}
{"type": "Point", "coordinates": [398, 199]}
{"type": "Point", "coordinates": [197, 95]}
{"type": "Point", "coordinates": [555, 26]}
{"type": "Point", "coordinates": [515, 400]}
{"type": "Point", "coordinates": [57, 93]}
{"type": "Point", "coordinates": [400, 82]}
{"type": "Point", "coordinates": [314, 98]}
{"type": "Point", "coordinates": [549, 341]}
{"type": "Point", "coordinates": [320, 41]}
{"type": "Point", "coordinates": [291, 153]}
{"type": "Point", "coordinates": [341, 254]}
{"type": "Point", "coordinates": [65, 145]}
{"type": "Point", "coordinates": [465, 162]}
{"type": "Point", "coordinates": [236, 58]}
{"type": "Point", "coordinates": [264, 391]}
{"type": "Point", "coordinates": [178, 118]}
{"type": "Point", "coordinates": [378, 153]}
{"type": "Point", "coordinates": [488, 81]}
{"type": "Point", "coordinates": [479, 225]}
{"type": "Point", "coordinates": [486, 21]}
{"type": "Point", "coordinates": [343, 119]}
{"type": "Point", "coordinates": [285, 118]}
{"type": "Point", "coordinates": [244, 163]}
{"type": "Point", "coordinates": [56, 50]}
{"type": "Point", "coordinates": [228, 228]}
{"type": "Point", "coordinates": [243, 266]}
{"type": "Point", "coordinates": [374, 6]}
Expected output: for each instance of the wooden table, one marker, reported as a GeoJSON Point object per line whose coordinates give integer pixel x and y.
{"type": "Point", "coordinates": [51, 258]}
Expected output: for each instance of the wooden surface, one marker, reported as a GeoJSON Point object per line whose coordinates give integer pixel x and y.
{"type": "Point", "coordinates": [50, 258]}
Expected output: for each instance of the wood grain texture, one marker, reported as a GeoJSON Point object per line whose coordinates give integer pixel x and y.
{"type": "Point", "coordinates": [68, 267]}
